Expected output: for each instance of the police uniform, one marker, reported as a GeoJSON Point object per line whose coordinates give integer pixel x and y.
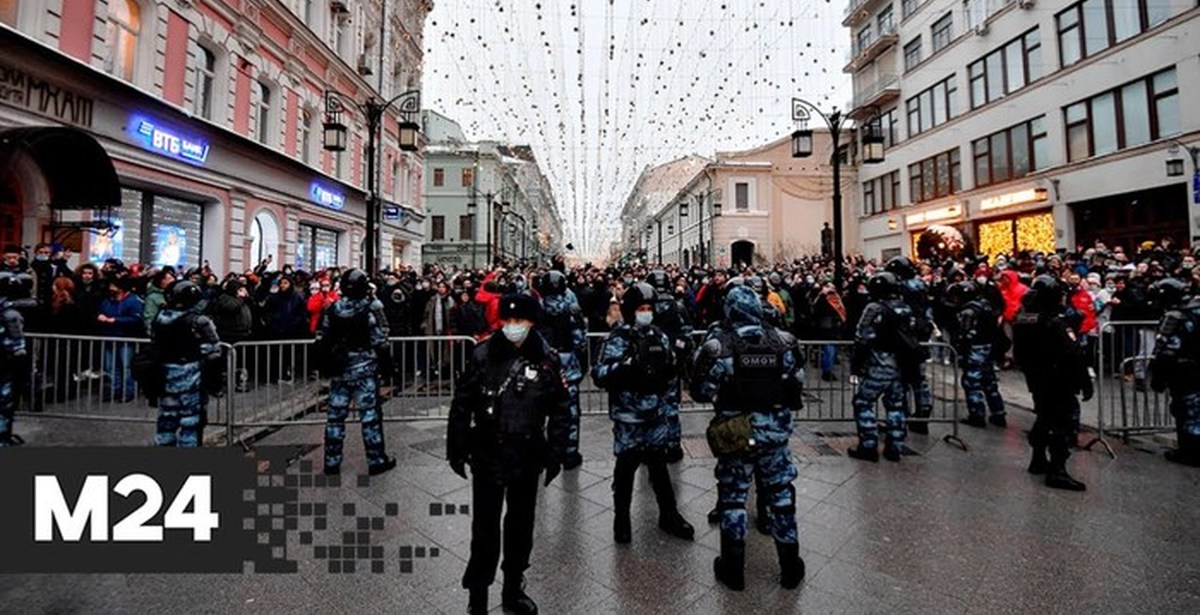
{"type": "Point", "coordinates": [886, 358]}
{"type": "Point", "coordinates": [13, 357]}
{"type": "Point", "coordinates": [1055, 367]}
{"type": "Point", "coordinates": [753, 372]}
{"type": "Point", "coordinates": [915, 293]}
{"type": "Point", "coordinates": [563, 327]}
{"type": "Point", "coordinates": [1176, 366]}
{"type": "Point", "coordinates": [509, 420]}
{"type": "Point", "coordinates": [637, 367]}
{"type": "Point", "coordinates": [352, 340]}
{"type": "Point", "coordinates": [189, 350]}
{"type": "Point", "coordinates": [670, 317]}
{"type": "Point", "coordinates": [976, 329]}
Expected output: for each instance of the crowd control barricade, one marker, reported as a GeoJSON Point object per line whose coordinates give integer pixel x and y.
{"type": "Point", "coordinates": [1124, 404]}
{"type": "Point", "coordinates": [87, 379]}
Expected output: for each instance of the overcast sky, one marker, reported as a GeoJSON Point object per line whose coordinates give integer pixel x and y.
{"type": "Point", "coordinates": [603, 88]}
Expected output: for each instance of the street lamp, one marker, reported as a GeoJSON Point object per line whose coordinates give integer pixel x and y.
{"type": "Point", "coordinates": [1175, 166]}
{"type": "Point", "coordinates": [334, 140]}
{"type": "Point", "coordinates": [802, 147]}
{"type": "Point", "coordinates": [471, 207]}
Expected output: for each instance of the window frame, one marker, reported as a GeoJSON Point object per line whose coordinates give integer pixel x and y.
{"type": "Point", "coordinates": [262, 112]}
{"type": "Point", "coordinates": [466, 227]}
{"type": "Point", "coordinates": [437, 228]}
{"type": "Point", "coordinates": [915, 106]}
{"type": "Point", "coordinates": [467, 177]}
{"type": "Point", "coordinates": [1034, 129]}
{"type": "Point", "coordinates": [439, 177]}
{"type": "Point", "coordinates": [118, 29]}
{"type": "Point", "coordinates": [206, 77]}
{"type": "Point", "coordinates": [912, 53]}
{"type": "Point", "coordinates": [943, 28]}
{"type": "Point", "coordinates": [1122, 142]}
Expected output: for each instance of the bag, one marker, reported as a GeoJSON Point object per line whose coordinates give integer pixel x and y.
{"type": "Point", "coordinates": [757, 380]}
{"type": "Point", "coordinates": [729, 436]}
{"type": "Point", "coordinates": [653, 359]}
{"type": "Point", "coordinates": [147, 370]}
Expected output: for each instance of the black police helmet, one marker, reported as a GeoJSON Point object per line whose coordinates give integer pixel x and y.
{"type": "Point", "coordinates": [902, 266]}
{"type": "Point", "coordinates": [883, 285]}
{"type": "Point", "coordinates": [12, 285]}
{"type": "Point", "coordinates": [1047, 293]}
{"type": "Point", "coordinates": [1169, 292]}
{"type": "Point", "coordinates": [183, 295]}
{"type": "Point", "coordinates": [638, 294]}
{"type": "Point", "coordinates": [354, 284]}
{"type": "Point", "coordinates": [658, 279]}
{"type": "Point", "coordinates": [550, 284]}
{"type": "Point", "coordinates": [757, 284]}
{"type": "Point", "coordinates": [960, 293]}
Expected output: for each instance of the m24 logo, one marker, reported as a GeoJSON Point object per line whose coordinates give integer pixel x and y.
{"type": "Point", "coordinates": [91, 508]}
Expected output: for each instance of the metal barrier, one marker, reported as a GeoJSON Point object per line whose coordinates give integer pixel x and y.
{"type": "Point", "coordinates": [1120, 363]}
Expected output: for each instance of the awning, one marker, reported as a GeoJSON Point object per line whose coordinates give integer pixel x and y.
{"type": "Point", "coordinates": [76, 168]}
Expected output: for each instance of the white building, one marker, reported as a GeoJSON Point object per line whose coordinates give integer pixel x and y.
{"type": "Point", "coordinates": [1027, 124]}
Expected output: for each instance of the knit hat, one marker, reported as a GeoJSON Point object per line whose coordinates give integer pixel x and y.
{"type": "Point", "coordinates": [519, 306]}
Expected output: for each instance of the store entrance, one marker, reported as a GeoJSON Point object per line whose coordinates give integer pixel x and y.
{"type": "Point", "coordinates": [1128, 219]}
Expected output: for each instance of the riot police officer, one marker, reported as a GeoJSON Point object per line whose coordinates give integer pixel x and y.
{"type": "Point", "coordinates": [976, 328]}
{"type": "Point", "coordinates": [637, 367]}
{"type": "Point", "coordinates": [887, 356]}
{"type": "Point", "coordinates": [1176, 364]}
{"type": "Point", "coordinates": [352, 345]}
{"type": "Point", "coordinates": [671, 317]}
{"type": "Point", "coordinates": [916, 294]}
{"type": "Point", "coordinates": [563, 327]}
{"type": "Point", "coordinates": [13, 355]}
{"type": "Point", "coordinates": [1055, 366]}
{"type": "Point", "coordinates": [754, 373]}
{"type": "Point", "coordinates": [186, 343]}
{"type": "Point", "coordinates": [509, 420]}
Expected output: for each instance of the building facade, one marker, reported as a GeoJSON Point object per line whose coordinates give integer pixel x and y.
{"type": "Point", "coordinates": [205, 121]}
{"type": "Point", "coordinates": [654, 189]}
{"type": "Point", "coordinates": [485, 201]}
{"type": "Point", "coordinates": [1026, 124]}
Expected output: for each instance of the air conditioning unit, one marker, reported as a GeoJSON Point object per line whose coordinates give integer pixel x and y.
{"type": "Point", "coordinates": [1025, 4]}
{"type": "Point", "coordinates": [339, 6]}
{"type": "Point", "coordinates": [364, 67]}
{"type": "Point", "coordinates": [981, 29]}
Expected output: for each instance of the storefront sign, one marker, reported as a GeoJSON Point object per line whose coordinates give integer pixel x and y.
{"type": "Point", "coordinates": [163, 140]}
{"type": "Point", "coordinates": [21, 89]}
{"type": "Point", "coordinates": [391, 213]}
{"type": "Point", "coordinates": [932, 215]}
{"type": "Point", "coordinates": [1032, 195]}
{"type": "Point", "coordinates": [326, 197]}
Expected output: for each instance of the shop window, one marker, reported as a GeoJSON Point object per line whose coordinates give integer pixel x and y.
{"type": "Point", "coordinates": [316, 248]}
{"type": "Point", "coordinates": [175, 230]}
{"type": "Point", "coordinates": [1032, 232]}
{"type": "Point", "coordinates": [124, 26]}
{"type": "Point", "coordinates": [264, 238]}
{"type": "Point", "coordinates": [206, 73]}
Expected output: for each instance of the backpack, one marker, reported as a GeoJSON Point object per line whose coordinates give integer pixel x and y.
{"type": "Point", "coordinates": [653, 359]}
{"type": "Point", "coordinates": [344, 336]}
{"type": "Point", "coordinates": [758, 370]}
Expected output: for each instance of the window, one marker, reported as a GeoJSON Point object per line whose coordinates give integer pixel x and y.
{"type": "Point", "coordinates": [1133, 114]}
{"type": "Point", "coordinates": [932, 107]}
{"type": "Point", "coordinates": [912, 53]}
{"type": "Point", "coordinates": [341, 35]}
{"type": "Point", "coordinates": [884, 21]}
{"type": "Point", "coordinates": [863, 40]}
{"type": "Point", "coordinates": [1006, 69]}
{"type": "Point", "coordinates": [881, 194]}
{"type": "Point", "coordinates": [316, 248]}
{"type": "Point", "coordinates": [437, 228]}
{"type": "Point", "coordinates": [1091, 26]}
{"type": "Point", "coordinates": [308, 12]}
{"type": "Point", "coordinates": [468, 177]}
{"type": "Point", "coordinates": [466, 228]}
{"type": "Point", "coordinates": [935, 177]}
{"type": "Point", "coordinates": [908, 7]}
{"type": "Point", "coordinates": [264, 237]}
{"type": "Point", "coordinates": [741, 192]}
{"type": "Point", "coordinates": [124, 24]}
{"type": "Point", "coordinates": [889, 122]}
{"type": "Point", "coordinates": [439, 177]}
{"type": "Point", "coordinates": [940, 33]}
{"type": "Point", "coordinates": [262, 113]}
{"type": "Point", "coordinates": [395, 179]}
{"type": "Point", "coordinates": [1011, 153]}
{"type": "Point", "coordinates": [306, 121]}
{"type": "Point", "coordinates": [206, 72]}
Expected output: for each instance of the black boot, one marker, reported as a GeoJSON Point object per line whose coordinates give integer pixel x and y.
{"type": "Point", "coordinates": [669, 519]}
{"type": "Point", "coordinates": [730, 567]}
{"type": "Point", "coordinates": [574, 460]}
{"type": "Point", "coordinates": [714, 515]}
{"type": "Point", "coordinates": [974, 421]}
{"type": "Point", "coordinates": [384, 466]}
{"type": "Point", "coordinates": [623, 476]}
{"type": "Point", "coordinates": [791, 567]}
{"type": "Point", "coordinates": [514, 599]}
{"type": "Point", "coordinates": [1039, 464]}
{"type": "Point", "coordinates": [674, 524]}
{"type": "Point", "coordinates": [998, 420]}
{"type": "Point", "coordinates": [863, 453]}
{"type": "Point", "coordinates": [622, 527]}
{"type": "Point", "coordinates": [478, 604]}
{"type": "Point", "coordinates": [1057, 476]}
{"type": "Point", "coordinates": [1188, 452]}
{"type": "Point", "coordinates": [921, 427]}
{"type": "Point", "coordinates": [892, 453]}
{"type": "Point", "coordinates": [674, 454]}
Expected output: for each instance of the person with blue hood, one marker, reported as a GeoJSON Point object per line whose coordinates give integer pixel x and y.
{"type": "Point", "coordinates": [637, 367]}
{"type": "Point", "coordinates": [753, 374]}
{"type": "Point", "coordinates": [563, 327]}
{"type": "Point", "coordinates": [186, 344]}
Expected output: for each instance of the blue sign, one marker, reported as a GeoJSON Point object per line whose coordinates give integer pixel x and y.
{"type": "Point", "coordinates": [391, 212]}
{"type": "Point", "coordinates": [1196, 187]}
{"type": "Point", "coordinates": [168, 142]}
{"type": "Point", "coordinates": [326, 197]}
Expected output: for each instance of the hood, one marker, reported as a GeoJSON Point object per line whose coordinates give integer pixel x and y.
{"type": "Point", "coordinates": [346, 308]}
{"type": "Point", "coordinates": [742, 307]}
{"type": "Point", "coordinates": [170, 315]}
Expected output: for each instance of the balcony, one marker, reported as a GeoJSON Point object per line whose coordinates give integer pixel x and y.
{"type": "Point", "coordinates": [857, 11]}
{"type": "Point", "coordinates": [884, 90]}
{"type": "Point", "coordinates": [860, 55]}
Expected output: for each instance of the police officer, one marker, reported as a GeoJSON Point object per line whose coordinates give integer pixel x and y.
{"type": "Point", "coordinates": [671, 317]}
{"type": "Point", "coordinates": [187, 345]}
{"type": "Point", "coordinates": [916, 294]}
{"type": "Point", "coordinates": [887, 355]}
{"type": "Point", "coordinates": [1176, 365]}
{"type": "Point", "coordinates": [976, 328]}
{"type": "Point", "coordinates": [637, 367]}
{"type": "Point", "coordinates": [352, 343]}
{"type": "Point", "coordinates": [753, 372]}
{"type": "Point", "coordinates": [510, 421]}
{"type": "Point", "coordinates": [1055, 367]}
{"type": "Point", "coordinates": [13, 354]}
{"type": "Point", "coordinates": [563, 327]}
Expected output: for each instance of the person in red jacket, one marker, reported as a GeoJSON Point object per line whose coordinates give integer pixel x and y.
{"type": "Point", "coordinates": [1081, 301]}
{"type": "Point", "coordinates": [488, 296]}
{"type": "Point", "coordinates": [324, 296]}
{"type": "Point", "coordinates": [1013, 290]}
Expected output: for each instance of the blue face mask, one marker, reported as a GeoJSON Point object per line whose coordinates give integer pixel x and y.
{"type": "Point", "coordinates": [515, 332]}
{"type": "Point", "coordinates": [41, 257]}
{"type": "Point", "coordinates": [643, 318]}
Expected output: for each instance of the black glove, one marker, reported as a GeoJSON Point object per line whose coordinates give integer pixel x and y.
{"type": "Point", "coordinates": [1087, 389]}
{"type": "Point", "coordinates": [459, 466]}
{"type": "Point", "coordinates": [383, 355]}
{"type": "Point", "coordinates": [552, 470]}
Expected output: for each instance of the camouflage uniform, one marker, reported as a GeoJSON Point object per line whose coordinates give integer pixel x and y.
{"type": "Point", "coordinates": [12, 356]}
{"type": "Point", "coordinates": [1176, 367]}
{"type": "Point", "coordinates": [562, 325]}
{"type": "Point", "coordinates": [669, 315]}
{"type": "Point", "coordinates": [641, 420]}
{"type": "Point", "coordinates": [974, 334]}
{"type": "Point", "coordinates": [879, 371]}
{"type": "Point", "coordinates": [188, 344]}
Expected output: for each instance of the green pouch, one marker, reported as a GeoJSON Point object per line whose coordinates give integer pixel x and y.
{"type": "Point", "coordinates": [730, 436]}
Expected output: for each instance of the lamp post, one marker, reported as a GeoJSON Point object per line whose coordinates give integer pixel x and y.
{"type": "Point", "coordinates": [335, 141]}
{"type": "Point", "coordinates": [683, 208]}
{"type": "Point", "coordinates": [471, 207]}
{"type": "Point", "coordinates": [659, 224]}
{"type": "Point", "coordinates": [802, 147]}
